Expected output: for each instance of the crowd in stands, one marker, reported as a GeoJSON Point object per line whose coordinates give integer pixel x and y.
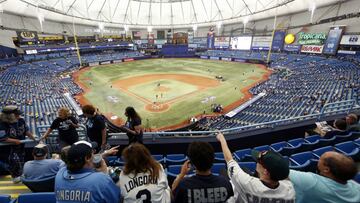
{"type": "Point", "coordinates": [37, 88]}
{"type": "Point", "coordinates": [300, 85]}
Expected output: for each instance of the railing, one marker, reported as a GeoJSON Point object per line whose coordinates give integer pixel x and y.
{"type": "Point", "coordinates": [346, 107]}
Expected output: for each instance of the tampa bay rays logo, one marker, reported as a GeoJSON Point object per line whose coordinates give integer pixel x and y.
{"type": "Point", "coordinates": [231, 171]}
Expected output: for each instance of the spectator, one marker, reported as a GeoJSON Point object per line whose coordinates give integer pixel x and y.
{"type": "Point", "coordinates": [15, 130]}
{"type": "Point", "coordinates": [133, 127]}
{"type": "Point", "coordinates": [79, 182]}
{"type": "Point", "coordinates": [66, 125]}
{"type": "Point", "coordinates": [333, 184]}
{"type": "Point", "coordinates": [203, 186]}
{"type": "Point", "coordinates": [340, 129]}
{"type": "Point", "coordinates": [95, 126]}
{"type": "Point", "coordinates": [272, 170]}
{"type": "Point", "coordinates": [41, 167]}
{"type": "Point", "coordinates": [353, 123]}
{"type": "Point", "coordinates": [143, 179]}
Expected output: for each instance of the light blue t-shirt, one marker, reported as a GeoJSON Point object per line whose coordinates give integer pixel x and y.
{"type": "Point", "coordinates": [313, 188]}
{"type": "Point", "coordinates": [42, 169]}
{"type": "Point", "coordinates": [85, 185]}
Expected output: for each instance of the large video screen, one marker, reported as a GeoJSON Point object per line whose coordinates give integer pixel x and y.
{"type": "Point", "coordinates": [241, 43]}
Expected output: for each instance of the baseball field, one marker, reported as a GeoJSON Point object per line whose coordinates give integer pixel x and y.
{"type": "Point", "coordinates": [167, 92]}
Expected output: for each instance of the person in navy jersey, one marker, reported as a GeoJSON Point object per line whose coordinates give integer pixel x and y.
{"type": "Point", "coordinates": [66, 124]}
{"type": "Point", "coordinates": [15, 130]}
{"type": "Point", "coordinates": [95, 126]}
{"type": "Point", "coordinates": [41, 167]}
{"type": "Point", "coordinates": [133, 127]}
{"type": "Point", "coordinates": [80, 182]}
{"type": "Point", "coordinates": [203, 186]}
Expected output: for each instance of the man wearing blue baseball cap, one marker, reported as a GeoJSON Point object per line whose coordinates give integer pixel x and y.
{"type": "Point", "coordinates": [79, 182]}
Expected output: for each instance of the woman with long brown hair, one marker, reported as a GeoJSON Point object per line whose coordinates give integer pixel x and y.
{"type": "Point", "coordinates": [143, 178]}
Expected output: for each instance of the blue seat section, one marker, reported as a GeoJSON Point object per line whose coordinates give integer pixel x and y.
{"type": "Point", "coordinates": [219, 157]}
{"type": "Point", "coordinates": [297, 92]}
{"type": "Point", "coordinates": [41, 197]}
{"type": "Point", "coordinates": [304, 161]}
{"type": "Point", "coordinates": [5, 198]}
{"type": "Point", "coordinates": [357, 178]}
{"type": "Point", "coordinates": [175, 159]}
{"type": "Point", "coordinates": [250, 166]}
{"type": "Point", "coordinates": [159, 158]}
{"type": "Point", "coordinates": [217, 167]}
{"type": "Point", "coordinates": [278, 146]}
{"type": "Point", "coordinates": [350, 149]}
{"type": "Point", "coordinates": [312, 138]}
{"type": "Point", "coordinates": [37, 87]}
{"type": "Point", "coordinates": [240, 154]}
{"type": "Point", "coordinates": [319, 151]}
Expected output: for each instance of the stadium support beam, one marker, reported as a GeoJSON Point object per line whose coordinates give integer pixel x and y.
{"type": "Point", "coordinates": [219, 11]}
{"type": "Point", "coordinates": [70, 6]}
{"type": "Point", "coordinates": [116, 7]}
{"type": "Point", "coordinates": [100, 11]}
{"type": "Point", "coordinates": [247, 6]}
{"type": "Point", "coordinates": [182, 10]}
{"type": "Point", "coordinates": [149, 19]}
{"type": "Point", "coordinates": [126, 12]}
{"type": "Point", "coordinates": [232, 9]}
{"type": "Point", "coordinates": [206, 13]}
{"type": "Point", "coordinates": [138, 12]}
{"type": "Point", "coordinates": [193, 8]}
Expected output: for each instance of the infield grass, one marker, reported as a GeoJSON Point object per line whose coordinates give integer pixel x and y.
{"type": "Point", "coordinates": [101, 79]}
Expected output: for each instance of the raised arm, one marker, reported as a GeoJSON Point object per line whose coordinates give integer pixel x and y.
{"type": "Point", "coordinates": [227, 154]}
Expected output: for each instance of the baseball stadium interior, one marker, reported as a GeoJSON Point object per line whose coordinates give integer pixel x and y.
{"type": "Point", "coordinates": [280, 78]}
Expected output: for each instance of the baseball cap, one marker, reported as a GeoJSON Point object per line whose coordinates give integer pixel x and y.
{"type": "Point", "coordinates": [273, 162]}
{"type": "Point", "coordinates": [79, 150]}
{"type": "Point", "coordinates": [40, 150]}
{"type": "Point", "coordinates": [11, 109]}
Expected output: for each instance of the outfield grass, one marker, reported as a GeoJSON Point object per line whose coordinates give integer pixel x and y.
{"type": "Point", "coordinates": [236, 75]}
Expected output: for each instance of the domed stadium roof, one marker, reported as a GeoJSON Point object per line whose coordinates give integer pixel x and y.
{"type": "Point", "coordinates": [157, 13]}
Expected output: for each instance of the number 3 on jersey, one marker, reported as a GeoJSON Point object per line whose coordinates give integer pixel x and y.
{"type": "Point", "coordinates": [145, 193]}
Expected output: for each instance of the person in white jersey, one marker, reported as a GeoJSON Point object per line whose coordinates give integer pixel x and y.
{"type": "Point", "coordinates": [272, 184]}
{"type": "Point", "coordinates": [143, 178]}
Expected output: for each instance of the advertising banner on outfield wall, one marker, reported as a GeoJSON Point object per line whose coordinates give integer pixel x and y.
{"type": "Point", "coordinates": [278, 41]}
{"type": "Point", "coordinates": [333, 40]}
{"type": "Point", "coordinates": [315, 49]}
{"type": "Point", "coordinates": [225, 59]}
{"type": "Point", "coordinates": [350, 40]}
{"type": "Point", "coordinates": [222, 42]}
{"type": "Point", "coordinates": [292, 47]}
{"type": "Point", "coordinates": [200, 41]}
{"type": "Point", "coordinates": [261, 43]}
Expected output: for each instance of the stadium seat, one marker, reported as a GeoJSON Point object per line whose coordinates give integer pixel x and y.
{"type": "Point", "coordinates": [5, 198]}
{"type": "Point", "coordinates": [217, 167]}
{"type": "Point", "coordinates": [248, 166]}
{"type": "Point", "coordinates": [262, 148]}
{"type": "Point", "coordinates": [43, 185]}
{"type": "Point", "coordinates": [240, 154]}
{"type": "Point", "coordinates": [319, 151]}
{"type": "Point", "coordinates": [41, 197]}
{"type": "Point", "coordinates": [350, 149]}
{"type": "Point", "coordinates": [312, 138]}
{"type": "Point", "coordinates": [296, 142]}
{"type": "Point", "coordinates": [343, 138]}
{"type": "Point", "coordinates": [326, 142]}
{"type": "Point", "coordinates": [173, 159]}
{"type": "Point", "coordinates": [301, 158]}
{"type": "Point", "coordinates": [159, 158]}
{"type": "Point", "coordinates": [278, 146]}
{"type": "Point", "coordinates": [357, 141]}
{"type": "Point", "coordinates": [219, 157]}
{"type": "Point", "coordinates": [287, 151]}
{"type": "Point", "coordinates": [357, 178]}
